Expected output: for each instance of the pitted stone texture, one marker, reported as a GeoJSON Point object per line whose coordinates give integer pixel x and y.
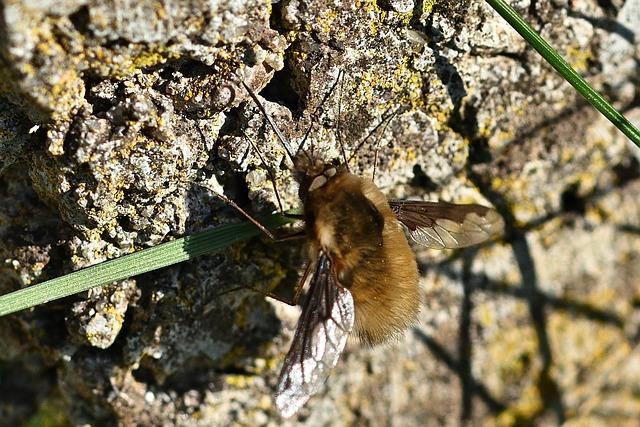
{"type": "Point", "coordinates": [138, 118]}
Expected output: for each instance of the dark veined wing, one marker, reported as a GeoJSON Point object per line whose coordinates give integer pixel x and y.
{"type": "Point", "coordinates": [325, 323]}
{"type": "Point", "coordinates": [440, 225]}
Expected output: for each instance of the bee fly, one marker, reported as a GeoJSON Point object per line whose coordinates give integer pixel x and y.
{"type": "Point", "coordinates": [361, 274]}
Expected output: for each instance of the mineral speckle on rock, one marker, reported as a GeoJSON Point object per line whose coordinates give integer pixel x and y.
{"type": "Point", "coordinates": [119, 122]}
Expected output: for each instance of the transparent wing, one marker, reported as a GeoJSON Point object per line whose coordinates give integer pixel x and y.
{"type": "Point", "coordinates": [321, 334]}
{"type": "Point", "coordinates": [440, 225]}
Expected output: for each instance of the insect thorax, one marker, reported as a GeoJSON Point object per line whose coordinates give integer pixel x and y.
{"type": "Point", "coordinates": [343, 222]}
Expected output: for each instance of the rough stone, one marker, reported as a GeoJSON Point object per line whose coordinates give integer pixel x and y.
{"type": "Point", "coordinates": [118, 125]}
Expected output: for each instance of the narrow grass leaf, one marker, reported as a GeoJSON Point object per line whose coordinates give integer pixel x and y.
{"type": "Point", "coordinates": [565, 70]}
{"type": "Point", "coordinates": [165, 254]}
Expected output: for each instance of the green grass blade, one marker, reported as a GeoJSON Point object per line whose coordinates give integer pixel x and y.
{"type": "Point", "coordinates": [204, 242]}
{"type": "Point", "coordinates": [565, 70]}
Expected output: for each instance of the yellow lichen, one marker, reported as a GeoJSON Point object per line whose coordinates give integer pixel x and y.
{"type": "Point", "coordinates": [511, 348]}
{"type": "Point", "coordinates": [367, 5]}
{"type": "Point", "coordinates": [239, 381]}
{"type": "Point", "coordinates": [325, 19]}
{"type": "Point", "coordinates": [427, 6]}
{"type": "Point", "coordinates": [578, 58]}
{"type": "Point", "coordinates": [484, 315]}
{"type": "Point", "coordinates": [529, 404]}
{"type": "Point", "coordinates": [148, 59]}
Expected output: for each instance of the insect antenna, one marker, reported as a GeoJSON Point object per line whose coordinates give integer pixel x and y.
{"type": "Point", "coordinates": [217, 193]}
{"type": "Point", "coordinates": [339, 123]}
{"type": "Point", "coordinates": [384, 122]}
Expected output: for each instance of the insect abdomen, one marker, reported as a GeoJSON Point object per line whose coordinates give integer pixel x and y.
{"type": "Point", "coordinates": [387, 301]}
{"type": "Point", "coordinates": [354, 224]}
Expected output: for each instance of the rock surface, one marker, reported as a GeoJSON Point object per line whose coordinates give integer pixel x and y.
{"type": "Point", "coordinates": [117, 122]}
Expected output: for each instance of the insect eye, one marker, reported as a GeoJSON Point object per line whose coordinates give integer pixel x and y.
{"type": "Point", "coordinates": [317, 182]}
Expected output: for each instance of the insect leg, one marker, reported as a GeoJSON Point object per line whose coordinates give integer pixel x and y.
{"type": "Point", "coordinates": [297, 290]}
{"type": "Point", "coordinates": [211, 305]}
{"type": "Point", "coordinates": [293, 301]}
{"type": "Point", "coordinates": [235, 206]}
{"type": "Point", "coordinates": [294, 216]}
{"type": "Point", "coordinates": [296, 235]}
{"type": "Point", "coordinates": [242, 212]}
{"type": "Point", "coordinates": [272, 177]}
{"type": "Point", "coordinates": [300, 286]}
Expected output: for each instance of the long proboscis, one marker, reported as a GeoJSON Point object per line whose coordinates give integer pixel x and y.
{"type": "Point", "coordinates": [283, 140]}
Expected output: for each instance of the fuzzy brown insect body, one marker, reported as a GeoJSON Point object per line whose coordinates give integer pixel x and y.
{"type": "Point", "coordinates": [361, 274]}
{"type": "Point", "coordinates": [349, 219]}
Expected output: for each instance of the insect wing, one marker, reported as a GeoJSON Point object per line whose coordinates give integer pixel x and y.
{"type": "Point", "coordinates": [441, 225]}
{"type": "Point", "coordinates": [325, 323]}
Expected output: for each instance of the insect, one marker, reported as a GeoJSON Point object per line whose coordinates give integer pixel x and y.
{"type": "Point", "coordinates": [361, 273]}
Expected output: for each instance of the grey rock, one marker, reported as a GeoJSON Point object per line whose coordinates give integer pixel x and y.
{"type": "Point", "coordinates": [118, 125]}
